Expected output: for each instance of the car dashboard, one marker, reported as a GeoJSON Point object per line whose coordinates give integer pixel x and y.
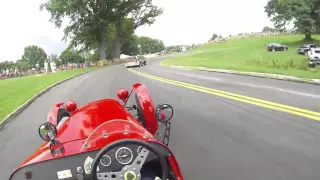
{"type": "Point", "coordinates": [78, 167]}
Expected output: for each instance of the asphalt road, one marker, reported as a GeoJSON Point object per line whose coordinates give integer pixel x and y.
{"type": "Point", "coordinates": [213, 137]}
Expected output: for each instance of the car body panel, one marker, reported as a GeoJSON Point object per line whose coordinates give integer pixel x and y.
{"type": "Point", "coordinates": [53, 113]}
{"type": "Point", "coordinates": [147, 106]}
{"type": "Point", "coordinates": [85, 119]}
{"type": "Point", "coordinates": [77, 146]}
{"type": "Point", "coordinates": [97, 124]}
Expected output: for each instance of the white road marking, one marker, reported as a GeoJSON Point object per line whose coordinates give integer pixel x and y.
{"type": "Point", "coordinates": [280, 89]}
{"type": "Point", "coordinates": [249, 85]}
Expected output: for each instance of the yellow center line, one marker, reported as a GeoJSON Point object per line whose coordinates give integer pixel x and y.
{"type": "Point", "coordinates": [259, 102]}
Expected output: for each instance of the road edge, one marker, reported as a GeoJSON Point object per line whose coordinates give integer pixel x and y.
{"type": "Point", "coordinates": [266, 75]}
{"type": "Point", "coordinates": [22, 107]}
{"type": "Point", "coordinates": [253, 74]}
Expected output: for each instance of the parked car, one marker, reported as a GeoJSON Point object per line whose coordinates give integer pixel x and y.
{"type": "Point", "coordinates": [314, 57]}
{"type": "Point", "coordinates": [306, 48]}
{"type": "Point", "coordinates": [277, 47]}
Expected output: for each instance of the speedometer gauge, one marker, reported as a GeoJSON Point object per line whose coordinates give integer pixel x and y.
{"type": "Point", "coordinates": [124, 155]}
{"type": "Point", "coordinates": [105, 160]}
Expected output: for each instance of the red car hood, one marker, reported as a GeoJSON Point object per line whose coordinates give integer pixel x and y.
{"type": "Point", "coordinates": [85, 119]}
{"type": "Point", "coordinates": [73, 133]}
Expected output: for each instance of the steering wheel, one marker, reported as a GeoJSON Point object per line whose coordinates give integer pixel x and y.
{"type": "Point", "coordinates": [128, 172]}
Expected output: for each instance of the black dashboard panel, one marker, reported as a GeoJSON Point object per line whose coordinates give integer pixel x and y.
{"type": "Point", "coordinates": [48, 169]}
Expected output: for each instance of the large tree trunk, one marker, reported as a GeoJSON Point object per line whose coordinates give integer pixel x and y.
{"type": "Point", "coordinates": [118, 46]}
{"type": "Point", "coordinates": [307, 35]}
{"type": "Point", "coordinates": [102, 49]}
{"type": "Point", "coordinates": [118, 41]}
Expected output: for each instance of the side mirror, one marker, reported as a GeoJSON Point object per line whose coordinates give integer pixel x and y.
{"type": "Point", "coordinates": [164, 113]}
{"type": "Point", "coordinates": [123, 94]}
{"type": "Point", "coordinates": [48, 131]}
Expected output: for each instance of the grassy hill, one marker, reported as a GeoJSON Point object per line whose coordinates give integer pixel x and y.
{"type": "Point", "coordinates": [16, 91]}
{"type": "Point", "coordinates": [251, 55]}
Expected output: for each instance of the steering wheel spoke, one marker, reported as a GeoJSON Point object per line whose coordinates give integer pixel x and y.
{"type": "Point", "coordinates": [140, 159]}
{"type": "Point", "coordinates": [109, 175]}
{"type": "Point", "coordinates": [132, 171]}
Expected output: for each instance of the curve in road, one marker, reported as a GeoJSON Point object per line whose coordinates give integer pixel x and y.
{"type": "Point", "coordinates": [266, 104]}
{"type": "Point", "coordinates": [213, 137]}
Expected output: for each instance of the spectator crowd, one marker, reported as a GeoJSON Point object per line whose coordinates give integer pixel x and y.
{"type": "Point", "coordinates": [16, 72]}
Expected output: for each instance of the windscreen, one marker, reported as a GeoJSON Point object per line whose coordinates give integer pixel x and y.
{"type": "Point", "coordinates": [116, 130]}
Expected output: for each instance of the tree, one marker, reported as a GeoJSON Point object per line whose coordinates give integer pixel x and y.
{"type": "Point", "coordinates": [270, 29]}
{"type": "Point", "coordinates": [214, 36]}
{"type": "Point", "coordinates": [89, 44]}
{"type": "Point", "coordinates": [132, 14]}
{"type": "Point", "coordinates": [23, 64]}
{"type": "Point", "coordinates": [54, 58]}
{"type": "Point", "coordinates": [33, 55]}
{"type": "Point", "coordinates": [93, 57]}
{"type": "Point", "coordinates": [149, 45]}
{"type": "Point", "coordinates": [6, 65]}
{"type": "Point", "coordinates": [130, 46]}
{"type": "Point", "coordinates": [88, 20]}
{"type": "Point", "coordinates": [70, 56]}
{"type": "Point", "coordinates": [124, 32]}
{"type": "Point", "coordinates": [303, 13]}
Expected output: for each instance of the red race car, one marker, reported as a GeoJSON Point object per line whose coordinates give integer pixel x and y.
{"type": "Point", "coordinates": [103, 140]}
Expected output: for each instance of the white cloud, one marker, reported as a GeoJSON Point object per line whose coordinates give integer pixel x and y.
{"type": "Point", "coordinates": [188, 21]}
{"type": "Point", "coordinates": [23, 24]}
{"type": "Point", "coordinates": [183, 22]}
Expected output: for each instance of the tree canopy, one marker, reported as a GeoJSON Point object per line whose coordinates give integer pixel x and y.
{"type": "Point", "coordinates": [149, 45]}
{"type": "Point", "coordinates": [214, 36]}
{"type": "Point", "coordinates": [71, 56]}
{"type": "Point", "coordinates": [270, 29]}
{"type": "Point", "coordinates": [132, 14]}
{"type": "Point", "coordinates": [6, 65]}
{"type": "Point", "coordinates": [91, 21]}
{"type": "Point", "coordinates": [305, 14]}
{"type": "Point", "coordinates": [34, 55]}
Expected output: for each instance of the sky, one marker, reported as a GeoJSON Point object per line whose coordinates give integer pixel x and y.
{"type": "Point", "coordinates": [183, 22]}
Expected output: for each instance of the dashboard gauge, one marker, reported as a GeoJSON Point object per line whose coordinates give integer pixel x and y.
{"type": "Point", "coordinates": [139, 149]}
{"type": "Point", "coordinates": [105, 160]}
{"type": "Point", "coordinates": [124, 155]}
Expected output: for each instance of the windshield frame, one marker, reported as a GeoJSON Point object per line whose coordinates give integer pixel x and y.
{"type": "Point", "coordinates": [114, 130]}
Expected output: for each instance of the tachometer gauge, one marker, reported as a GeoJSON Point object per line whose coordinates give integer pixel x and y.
{"type": "Point", "coordinates": [105, 160]}
{"type": "Point", "coordinates": [124, 155]}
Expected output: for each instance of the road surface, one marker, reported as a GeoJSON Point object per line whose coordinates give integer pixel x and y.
{"type": "Point", "coordinates": [214, 136]}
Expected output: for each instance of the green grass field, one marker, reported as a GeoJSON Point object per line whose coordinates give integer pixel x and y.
{"type": "Point", "coordinates": [251, 55]}
{"type": "Point", "coordinates": [14, 92]}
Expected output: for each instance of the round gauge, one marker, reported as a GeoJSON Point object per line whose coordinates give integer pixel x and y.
{"type": "Point", "coordinates": [124, 155]}
{"type": "Point", "coordinates": [105, 160]}
{"type": "Point", "coordinates": [139, 149]}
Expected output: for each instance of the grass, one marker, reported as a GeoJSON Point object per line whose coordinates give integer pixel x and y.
{"type": "Point", "coordinates": [251, 55]}
{"type": "Point", "coordinates": [14, 92]}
